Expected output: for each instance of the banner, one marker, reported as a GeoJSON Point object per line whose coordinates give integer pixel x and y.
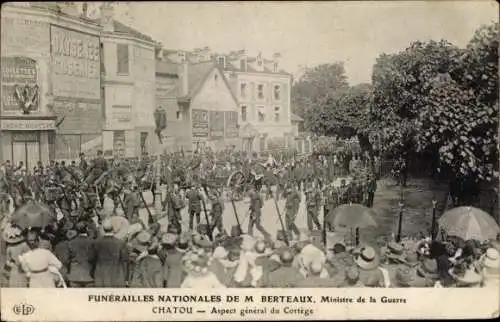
{"type": "Point", "coordinates": [199, 123]}
{"type": "Point", "coordinates": [216, 124]}
{"type": "Point", "coordinates": [231, 126]}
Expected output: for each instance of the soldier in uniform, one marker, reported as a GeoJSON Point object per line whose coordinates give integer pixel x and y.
{"type": "Point", "coordinates": [175, 205]}
{"type": "Point", "coordinates": [99, 166]}
{"type": "Point", "coordinates": [216, 212]}
{"type": "Point", "coordinates": [4, 194]}
{"type": "Point", "coordinates": [256, 204]}
{"type": "Point", "coordinates": [292, 203]}
{"type": "Point", "coordinates": [313, 203]}
{"type": "Point", "coordinates": [371, 187]}
{"type": "Point", "coordinates": [83, 163]}
{"type": "Point", "coordinates": [331, 202]}
{"type": "Point", "coordinates": [194, 199]}
{"type": "Point", "coordinates": [132, 202]}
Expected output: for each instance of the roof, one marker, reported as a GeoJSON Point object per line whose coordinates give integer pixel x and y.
{"type": "Point", "coordinates": [296, 118]}
{"type": "Point", "coordinates": [162, 67]}
{"type": "Point", "coordinates": [197, 75]}
{"type": "Point", "coordinates": [124, 29]}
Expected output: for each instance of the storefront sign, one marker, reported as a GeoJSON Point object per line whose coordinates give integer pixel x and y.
{"type": "Point", "coordinates": [75, 64]}
{"type": "Point", "coordinates": [199, 123]}
{"type": "Point", "coordinates": [17, 71]}
{"type": "Point", "coordinates": [231, 124]}
{"type": "Point", "coordinates": [26, 36]}
{"type": "Point", "coordinates": [216, 121]}
{"type": "Point", "coordinates": [28, 125]}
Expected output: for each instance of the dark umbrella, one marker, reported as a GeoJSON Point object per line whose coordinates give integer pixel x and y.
{"type": "Point", "coordinates": [355, 216]}
{"type": "Point", "coordinates": [469, 223]}
{"type": "Point", "coordinates": [33, 214]}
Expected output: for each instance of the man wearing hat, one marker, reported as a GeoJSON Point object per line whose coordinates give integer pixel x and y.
{"type": "Point", "coordinates": [313, 203]}
{"type": "Point", "coordinates": [194, 200]}
{"type": "Point", "coordinates": [98, 167]}
{"type": "Point", "coordinates": [292, 203]}
{"type": "Point", "coordinates": [367, 260]}
{"type": "Point", "coordinates": [148, 269]}
{"type": "Point", "coordinates": [313, 278]}
{"type": "Point", "coordinates": [111, 259]}
{"type": "Point", "coordinates": [216, 212]}
{"type": "Point", "coordinates": [256, 204]}
{"type": "Point", "coordinates": [175, 248]}
{"type": "Point", "coordinates": [81, 258]}
{"type": "Point", "coordinates": [371, 188]}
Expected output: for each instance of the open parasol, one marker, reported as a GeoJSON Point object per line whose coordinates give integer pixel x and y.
{"type": "Point", "coordinates": [469, 223]}
{"type": "Point", "coordinates": [33, 214]}
{"type": "Point", "coordinates": [353, 216]}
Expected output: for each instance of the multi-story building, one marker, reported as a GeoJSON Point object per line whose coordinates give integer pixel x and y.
{"type": "Point", "coordinates": [201, 109]}
{"type": "Point", "coordinates": [128, 88]}
{"type": "Point", "coordinates": [50, 82]}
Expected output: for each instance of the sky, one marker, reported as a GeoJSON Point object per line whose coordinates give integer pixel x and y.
{"type": "Point", "coordinates": [307, 34]}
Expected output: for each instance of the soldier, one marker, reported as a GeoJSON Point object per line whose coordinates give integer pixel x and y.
{"type": "Point", "coordinates": [216, 212]}
{"type": "Point", "coordinates": [331, 202]}
{"type": "Point", "coordinates": [292, 203]}
{"type": "Point", "coordinates": [313, 203]}
{"type": "Point", "coordinates": [371, 188]}
{"type": "Point", "coordinates": [343, 192]}
{"type": "Point", "coordinates": [99, 166]}
{"type": "Point", "coordinates": [194, 198]}
{"type": "Point", "coordinates": [256, 204]}
{"type": "Point", "coordinates": [4, 194]}
{"type": "Point", "coordinates": [175, 204]}
{"type": "Point", "coordinates": [83, 163]}
{"type": "Point", "coordinates": [132, 202]}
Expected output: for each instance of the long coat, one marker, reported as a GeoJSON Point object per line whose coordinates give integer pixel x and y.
{"type": "Point", "coordinates": [111, 262]}
{"type": "Point", "coordinates": [81, 257]}
{"type": "Point", "coordinates": [173, 273]}
{"type": "Point", "coordinates": [148, 273]}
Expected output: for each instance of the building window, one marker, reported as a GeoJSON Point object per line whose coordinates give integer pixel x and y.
{"type": "Point", "coordinates": [243, 90]}
{"type": "Point", "coordinates": [144, 138]}
{"type": "Point", "coordinates": [243, 65]}
{"type": "Point", "coordinates": [221, 60]}
{"type": "Point", "coordinates": [261, 113]}
{"type": "Point", "coordinates": [276, 114]}
{"type": "Point", "coordinates": [178, 115]}
{"type": "Point", "coordinates": [122, 59]}
{"type": "Point", "coordinates": [260, 91]}
{"type": "Point", "coordinates": [277, 92]}
{"type": "Point", "coordinates": [244, 113]}
{"type": "Point", "coordinates": [275, 67]}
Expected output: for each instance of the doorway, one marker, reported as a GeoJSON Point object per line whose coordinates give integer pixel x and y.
{"type": "Point", "coordinates": [26, 148]}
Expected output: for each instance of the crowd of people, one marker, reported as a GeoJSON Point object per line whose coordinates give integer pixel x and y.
{"type": "Point", "coordinates": [84, 247]}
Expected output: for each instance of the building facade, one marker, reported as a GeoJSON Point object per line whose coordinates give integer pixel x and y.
{"type": "Point", "coordinates": [201, 109]}
{"type": "Point", "coordinates": [50, 82]}
{"type": "Point", "coordinates": [128, 89]}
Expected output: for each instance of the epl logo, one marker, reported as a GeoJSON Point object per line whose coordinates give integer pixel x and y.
{"type": "Point", "coordinates": [23, 309]}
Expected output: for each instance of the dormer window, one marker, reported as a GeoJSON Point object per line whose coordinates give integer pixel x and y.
{"type": "Point", "coordinates": [275, 67]}
{"type": "Point", "coordinates": [221, 60]}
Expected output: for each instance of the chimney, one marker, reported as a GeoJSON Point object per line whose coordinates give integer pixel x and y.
{"type": "Point", "coordinates": [183, 78]}
{"type": "Point", "coordinates": [107, 17]}
{"type": "Point", "coordinates": [159, 51]}
{"type": "Point", "coordinates": [69, 8]}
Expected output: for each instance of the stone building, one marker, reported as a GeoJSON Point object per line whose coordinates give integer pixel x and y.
{"type": "Point", "coordinates": [50, 81]}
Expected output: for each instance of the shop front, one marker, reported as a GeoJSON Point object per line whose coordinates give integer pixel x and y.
{"type": "Point", "coordinates": [26, 139]}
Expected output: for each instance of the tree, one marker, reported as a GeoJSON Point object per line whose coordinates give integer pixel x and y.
{"type": "Point", "coordinates": [314, 85]}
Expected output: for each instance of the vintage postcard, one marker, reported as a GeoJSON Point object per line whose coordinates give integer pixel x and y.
{"type": "Point", "coordinates": [249, 160]}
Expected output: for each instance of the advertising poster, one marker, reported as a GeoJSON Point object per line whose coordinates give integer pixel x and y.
{"type": "Point", "coordinates": [199, 123]}
{"type": "Point", "coordinates": [75, 64]}
{"type": "Point", "coordinates": [17, 71]}
{"type": "Point", "coordinates": [231, 126]}
{"type": "Point", "coordinates": [216, 124]}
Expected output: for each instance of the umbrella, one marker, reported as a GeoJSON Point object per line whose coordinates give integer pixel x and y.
{"type": "Point", "coordinates": [353, 216]}
{"type": "Point", "coordinates": [469, 223]}
{"type": "Point", "coordinates": [33, 214]}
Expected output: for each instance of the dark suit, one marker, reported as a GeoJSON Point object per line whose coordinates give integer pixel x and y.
{"type": "Point", "coordinates": [81, 256]}
{"type": "Point", "coordinates": [111, 262]}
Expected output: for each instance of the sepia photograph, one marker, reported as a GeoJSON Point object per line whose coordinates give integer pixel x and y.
{"type": "Point", "coordinates": [249, 145]}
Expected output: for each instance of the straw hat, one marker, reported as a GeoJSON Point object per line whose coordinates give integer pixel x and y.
{"type": "Point", "coordinates": [491, 261]}
{"type": "Point", "coordinates": [367, 258]}
{"type": "Point", "coordinates": [469, 278]}
{"type": "Point", "coordinates": [12, 234]}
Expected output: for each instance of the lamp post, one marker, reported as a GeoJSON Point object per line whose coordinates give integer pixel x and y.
{"type": "Point", "coordinates": [433, 224]}
{"type": "Point", "coordinates": [400, 222]}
